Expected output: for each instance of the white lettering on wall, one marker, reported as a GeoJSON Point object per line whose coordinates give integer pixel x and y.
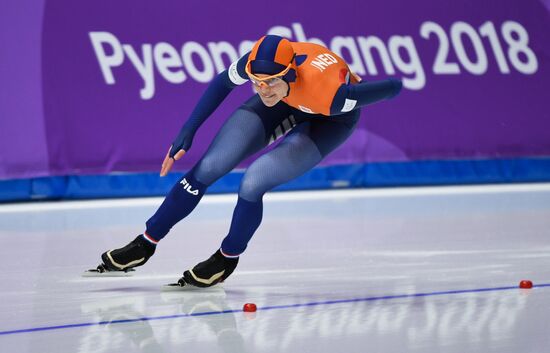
{"type": "Point", "coordinates": [367, 56]}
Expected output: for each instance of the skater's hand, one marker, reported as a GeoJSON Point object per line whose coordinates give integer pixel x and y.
{"type": "Point", "coordinates": [169, 161]}
{"type": "Point", "coordinates": [179, 147]}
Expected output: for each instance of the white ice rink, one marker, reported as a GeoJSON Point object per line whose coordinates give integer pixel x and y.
{"type": "Point", "coordinates": [387, 270]}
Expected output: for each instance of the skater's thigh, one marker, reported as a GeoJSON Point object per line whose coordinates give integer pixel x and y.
{"type": "Point", "coordinates": [299, 151]}
{"type": "Point", "coordinates": [244, 133]}
{"type": "Point", "coordinates": [295, 155]}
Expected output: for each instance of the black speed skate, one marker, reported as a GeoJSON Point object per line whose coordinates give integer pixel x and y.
{"type": "Point", "coordinates": [208, 273]}
{"type": "Point", "coordinates": [122, 261]}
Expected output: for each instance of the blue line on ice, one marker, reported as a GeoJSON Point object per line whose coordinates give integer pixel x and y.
{"type": "Point", "coordinates": [274, 307]}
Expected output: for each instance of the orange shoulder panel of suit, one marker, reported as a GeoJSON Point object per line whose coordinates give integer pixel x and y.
{"type": "Point", "coordinates": [318, 78]}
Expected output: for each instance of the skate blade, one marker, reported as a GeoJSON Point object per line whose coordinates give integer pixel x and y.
{"type": "Point", "coordinates": [94, 272]}
{"type": "Point", "coordinates": [175, 287]}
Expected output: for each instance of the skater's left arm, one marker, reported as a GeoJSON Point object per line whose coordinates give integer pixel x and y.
{"type": "Point", "coordinates": [353, 96]}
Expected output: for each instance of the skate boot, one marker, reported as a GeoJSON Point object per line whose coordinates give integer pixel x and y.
{"type": "Point", "coordinates": [136, 253]}
{"type": "Point", "coordinates": [210, 272]}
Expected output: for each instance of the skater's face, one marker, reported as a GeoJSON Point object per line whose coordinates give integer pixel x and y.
{"type": "Point", "coordinates": [270, 92]}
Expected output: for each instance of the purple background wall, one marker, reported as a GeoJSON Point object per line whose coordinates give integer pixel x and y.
{"type": "Point", "coordinates": [59, 115]}
{"type": "Point", "coordinates": [23, 149]}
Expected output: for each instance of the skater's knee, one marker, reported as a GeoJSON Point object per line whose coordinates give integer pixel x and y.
{"type": "Point", "coordinates": [207, 170]}
{"type": "Point", "coordinates": [253, 186]}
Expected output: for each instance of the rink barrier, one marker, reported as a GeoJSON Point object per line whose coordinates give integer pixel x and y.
{"type": "Point", "coordinates": [390, 174]}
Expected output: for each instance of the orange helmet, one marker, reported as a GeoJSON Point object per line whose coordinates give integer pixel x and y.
{"type": "Point", "coordinates": [271, 55]}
